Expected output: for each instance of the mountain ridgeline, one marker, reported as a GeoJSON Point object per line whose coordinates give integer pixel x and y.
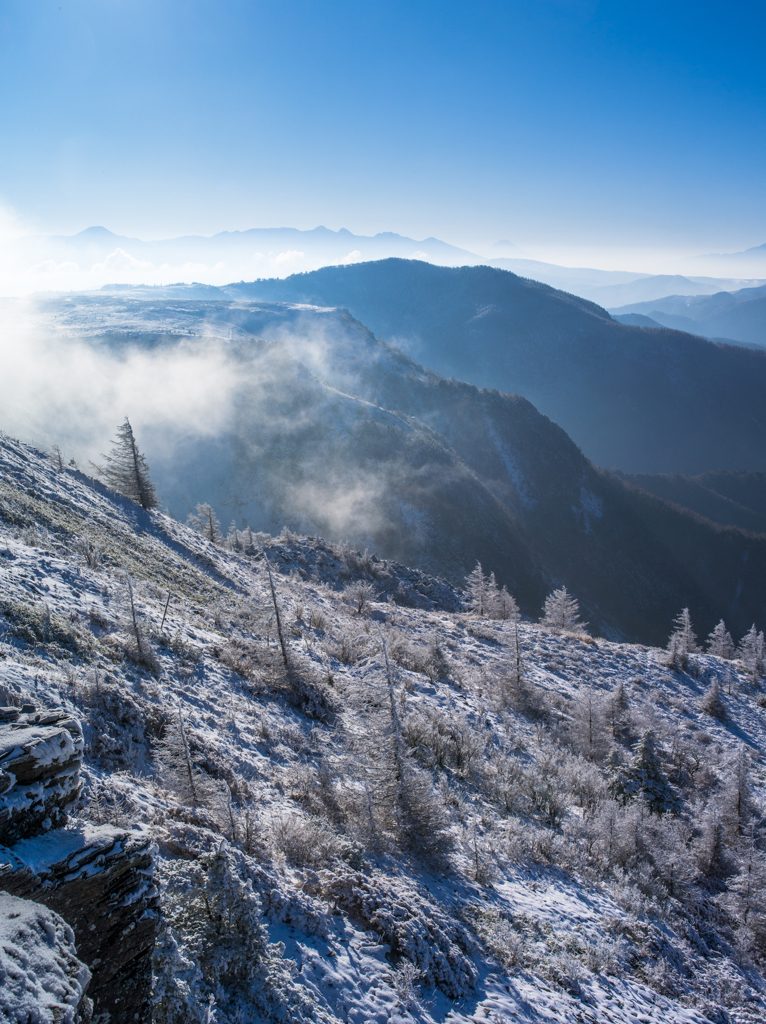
{"type": "Point", "coordinates": [336, 433]}
{"type": "Point", "coordinates": [641, 401]}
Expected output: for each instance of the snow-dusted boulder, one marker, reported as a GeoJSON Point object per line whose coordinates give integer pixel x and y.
{"type": "Point", "coordinates": [40, 757]}
{"type": "Point", "coordinates": [42, 981]}
{"type": "Point", "coordinates": [99, 879]}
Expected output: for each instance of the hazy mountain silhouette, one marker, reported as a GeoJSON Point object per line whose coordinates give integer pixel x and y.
{"type": "Point", "coordinates": [640, 400]}
{"type": "Point", "coordinates": [318, 246]}
{"type": "Point", "coordinates": [740, 315]}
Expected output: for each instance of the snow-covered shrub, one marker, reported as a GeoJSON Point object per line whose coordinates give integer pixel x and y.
{"type": "Point", "coordinates": [712, 702]}
{"type": "Point", "coordinates": [90, 550]}
{"type": "Point", "coordinates": [217, 921]}
{"type": "Point", "coordinates": [360, 594]}
{"type": "Point", "coordinates": [303, 841]}
{"type": "Point", "coordinates": [415, 926]}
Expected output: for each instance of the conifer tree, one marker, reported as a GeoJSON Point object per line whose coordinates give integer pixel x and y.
{"type": "Point", "coordinates": [562, 612]}
{"type": "Point", "coordinates": [126, 470]}
{"type": "Point", "coordinates": [507, 609]}
{"type": "Point", "coordinates": [477, 585]}
{"type": "Point", "coordinates": [683, 638]}
{"type": "Point", "coordinates": [205, 521]}
{"type": "Point", "coordinates": [751, 651]}
{"type": "Point", "coordinates": [644, 777]}
{"type": "Point", "coordinates": [720, 642]}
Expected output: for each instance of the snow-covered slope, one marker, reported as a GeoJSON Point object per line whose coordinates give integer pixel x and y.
{"type": "Point", "coordinates": [449, 847]}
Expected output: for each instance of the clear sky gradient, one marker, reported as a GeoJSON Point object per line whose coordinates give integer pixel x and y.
{"type": "Point", "coordinates": [561, 125]}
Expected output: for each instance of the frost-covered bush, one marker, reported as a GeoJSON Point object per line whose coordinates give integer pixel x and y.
{"type": "Point", "coordinates": [222, 945]}
{"type": "Point", "coordinates": [415, 926]}
{"type": "Point", "coordinates": [360, 594]}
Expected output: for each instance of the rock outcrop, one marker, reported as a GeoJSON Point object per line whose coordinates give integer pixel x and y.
{"type": "Point", "coordinates": [40, 757]}
{"type": "Point", "coordinates": [41, 978]}
{"type": "Point", "coordinates": [97, 878]}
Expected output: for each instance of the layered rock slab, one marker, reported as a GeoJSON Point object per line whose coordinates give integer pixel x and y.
{"type": "Point", "coordinates": [97, 878]}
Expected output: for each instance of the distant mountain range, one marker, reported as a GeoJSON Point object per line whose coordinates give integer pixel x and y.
{"type": "Point", "coordinates": [642, 401]}
{"type": "Point", "coordinates": [751, 261]}
{"type": "Point", "coordinates": [97, 256]}
{"type": "Point", "coordinates": [330, 431]}
{"type": "Point", "coordinates": [617, 287]}
{"type": "Point", "coordinates": [739, 315]}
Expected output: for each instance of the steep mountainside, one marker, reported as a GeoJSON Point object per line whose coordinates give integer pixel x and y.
{"type": "Point", "coordinates": [330, 431]}
{"type": "Point", "coordinates": [386, 813]}
{"type": "Point", "coordinates": [642, 401]}
{"type": "Point", "coordinates": [731, 499]}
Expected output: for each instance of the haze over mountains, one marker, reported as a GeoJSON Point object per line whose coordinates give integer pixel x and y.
{"type": "Point", "coordinates": [641, 401]}
{"type": "Point", "coordinates": [98, 256]}
{"type": "Point", "coordinates": [740, 314]}
{"type": "Point", "coordinates": [301, 416]}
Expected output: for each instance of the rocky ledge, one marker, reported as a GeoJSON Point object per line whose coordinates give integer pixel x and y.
{"type": "Point", "coordinates": [97, 878]}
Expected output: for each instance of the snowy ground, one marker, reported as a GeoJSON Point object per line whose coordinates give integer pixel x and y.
{"type": "Point", "coordinates": [522, 911]}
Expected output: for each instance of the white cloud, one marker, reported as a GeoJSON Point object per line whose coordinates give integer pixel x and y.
{"type": "Point", "coordinates": [121, 262]}
{"type": "Point", "coordinates": [291, 256]}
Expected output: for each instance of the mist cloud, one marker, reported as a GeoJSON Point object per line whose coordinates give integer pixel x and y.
{"type": "Point", "coordinates": [59, 390]}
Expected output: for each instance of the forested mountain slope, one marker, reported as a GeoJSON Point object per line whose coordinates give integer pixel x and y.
{"type": "Point", "coordinates": [330, 431]}
{"type": "Point", "coordinates": [640, 401]}
{"type": "Point", "coordinates": [731, 499]}
{"type": "Point", "coordinates": [401, 813]}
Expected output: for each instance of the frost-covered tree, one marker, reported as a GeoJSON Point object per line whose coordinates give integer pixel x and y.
{"type": "Point", "coordinates": [682, 641]}
{"type": "Point", "coordinates": [683, 637]}
{"type": "Point", "coordinates": [126, 470]}
{"type": "Point", "coordinates": [399, 801]}
{"type": "Point", "coordinates": [232, 537]}
{"type": "Point", "coordinates": [751, 651]}
{"type": "Point", "coordinates": [745, 897]}
{"type": "Point", "coordinates": [588, 725]}
{"type": "Point", "coordinates": [720, 642]}
{"type": "Point", "coordinates": [712, 701]}
{"type": "Point", "coordinates": [645, 778]}
{"type": "Point", "coordinates": [562, 612]}
{"type": "Point", "coordinates": [617, 711]}
{"type": "Point", "coordinates": [178, 989]}
{"type": "Point", "coordinates": [737, 802]}
{"type": "Point", "coordinates": [506, 607]}
{"type": "Point", "coordinates": [205, 521]}
{"type": "Point", "coordinates": [479, 594]}
{"type": "Point", "coordinates": [179, 769]}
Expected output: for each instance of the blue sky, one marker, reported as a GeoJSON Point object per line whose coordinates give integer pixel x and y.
{"type": "Point", "coordinates": [554, 123]}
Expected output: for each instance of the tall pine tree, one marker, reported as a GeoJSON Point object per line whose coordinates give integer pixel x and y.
{"type": "Point", "coordinates": [125, 469]}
